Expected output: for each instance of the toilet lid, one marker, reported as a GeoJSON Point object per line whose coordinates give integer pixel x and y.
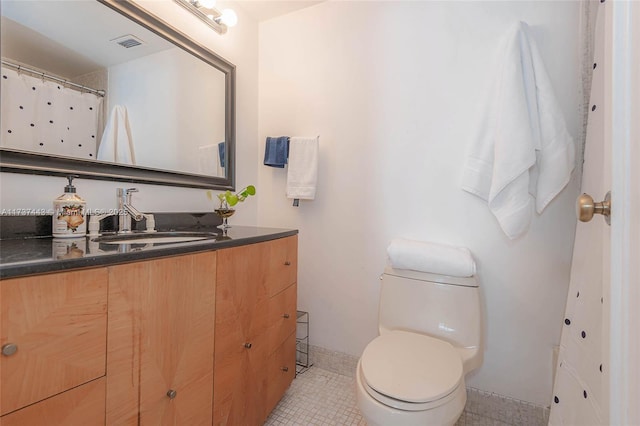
{"type": "Point", "coordinates": [411, 367]}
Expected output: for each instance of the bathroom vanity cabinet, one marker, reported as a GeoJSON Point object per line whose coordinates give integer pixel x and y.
{"type": "Point", "coordinates": [193, 339]}
{"type": "Point", "coordinates": [54, 333]}
{"type": "Point", "coordinates": [255, 330]}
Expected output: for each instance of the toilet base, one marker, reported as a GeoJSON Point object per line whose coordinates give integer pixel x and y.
{"type": "Point", "coordinates": [378, 414]}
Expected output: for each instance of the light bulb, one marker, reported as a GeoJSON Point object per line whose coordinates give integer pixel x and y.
{"type": "Point", "coordinates": [229, 18]}
{"type": "Point", "coordinates": [209, 4]}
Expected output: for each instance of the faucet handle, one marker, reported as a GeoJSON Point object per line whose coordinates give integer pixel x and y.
{"type": "Point", "coordinates": [130, 190]}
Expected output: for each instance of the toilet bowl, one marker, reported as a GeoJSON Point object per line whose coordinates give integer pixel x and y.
{"type": "Point", "coordinates": [413, 373]}
{"type": "Point", "coordinates": [405, 378]}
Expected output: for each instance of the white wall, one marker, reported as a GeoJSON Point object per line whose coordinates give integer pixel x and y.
{"type": "Point", "coordinates": [239, 46]}
{"type": "Point", "coordinates": [392, 88]}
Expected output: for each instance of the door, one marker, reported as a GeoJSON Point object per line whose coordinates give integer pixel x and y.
{"type": "Point", "coordinates": [241, 345]}
{"type": "Point", "coordinates": [597, 379]}
{"type": "Point", "coordinates": [176, 317]}
{"type": "Point", "coordinates": [623, 20]}
{"type": "Point", "coordinates": [160, 341]}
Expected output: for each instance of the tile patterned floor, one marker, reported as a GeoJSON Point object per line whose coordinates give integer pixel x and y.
{"type": "Point", "coordinates": [319, 397]}
{"type": "Point", "coordinates": [470, 419]}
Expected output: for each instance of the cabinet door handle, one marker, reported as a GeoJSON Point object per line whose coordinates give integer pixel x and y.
{"type": "Point", "coordinates": [247, 345]}
{"type": "Point", "coordinates": [285, 316]}
{"type": "Point", "coordinates": [9, 349]}
{"type": "Point", "coordinates": [285, 369]}
{"type": "Point", "coordinates": [172, 393]}
{"type": "Point", "coordinates": [287, 263]}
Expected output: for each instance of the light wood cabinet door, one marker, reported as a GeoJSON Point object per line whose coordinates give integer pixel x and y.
{"type": "Point", "coordinates": [161, 330]}
{"type": "Point", "coordinates": [241, 346]}
{"type": "Point", "coordinates": [81, 406]}
{"type": "Point", "coordinates": [58, 323]}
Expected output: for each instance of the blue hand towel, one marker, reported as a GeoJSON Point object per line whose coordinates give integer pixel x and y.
{"type": "Point", "coordinates": [276, 151]}
{"type": "Point", "coordinates": [221, 151]}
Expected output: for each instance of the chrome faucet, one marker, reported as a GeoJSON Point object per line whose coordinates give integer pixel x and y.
{"type": "Point", "coordinates": [126, 211]}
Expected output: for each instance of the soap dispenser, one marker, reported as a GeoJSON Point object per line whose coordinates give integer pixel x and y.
{"type": "Point", "coordinates": [69, 213]}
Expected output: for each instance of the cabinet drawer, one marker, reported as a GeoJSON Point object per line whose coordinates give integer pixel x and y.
{"type": "Point", "coordinates": [267, 267]}
{"type": "Point", "coordinates": [80, 406]}
{"type": "Point", "coordinates": [283, 264]}
{"type": "Point", "coordinates": [282, 317]}
{"type": "Point", "coordinates": [58, 323]}
{"type": "Point", "coordinates": [281, 371]}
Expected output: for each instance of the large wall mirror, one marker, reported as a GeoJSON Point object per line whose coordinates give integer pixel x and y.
{"type": "Point", "coordinates": [106, 90]}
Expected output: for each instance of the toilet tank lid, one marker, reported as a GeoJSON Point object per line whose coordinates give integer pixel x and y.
{"type": "Point", "coordinates": [429, 277]}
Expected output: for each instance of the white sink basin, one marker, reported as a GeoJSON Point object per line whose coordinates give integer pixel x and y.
{"type": "Point", "coordinates": [155, 238]}
{"type": "Point", "coordinates": [159, 240]}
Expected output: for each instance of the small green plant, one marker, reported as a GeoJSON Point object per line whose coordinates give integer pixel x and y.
{"type": "Point", "coordinates": [229, 199]}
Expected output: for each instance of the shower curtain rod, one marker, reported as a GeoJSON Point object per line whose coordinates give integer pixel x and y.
{"type": "Point", "coordinates": [53, 78]}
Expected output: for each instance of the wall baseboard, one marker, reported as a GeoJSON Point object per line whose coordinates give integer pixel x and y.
{"type": "Point", "coordinates": [479, 403]}
{"type": "Point", "coordinates": [334, 361]}
{"type": "Point", "coordinates": [504, 409]}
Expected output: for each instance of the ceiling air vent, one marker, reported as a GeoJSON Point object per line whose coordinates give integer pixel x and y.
{"type": "Point", "coordinates": [128, 41]}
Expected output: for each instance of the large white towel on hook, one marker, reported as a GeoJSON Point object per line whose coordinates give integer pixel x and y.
{"type": "Point", "coordinates": [522, 146]}
{"type": "Point", "coordinates": [302, 168]}
{"type": "Point", "coordinates": [116, 144]}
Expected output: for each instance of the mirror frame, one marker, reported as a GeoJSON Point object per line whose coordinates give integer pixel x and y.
{"type": "Point", "coordinates": [26, 162]}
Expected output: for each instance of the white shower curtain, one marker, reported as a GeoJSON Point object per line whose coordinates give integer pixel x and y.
{"type": "Point", "coordinates": [46, 117]}
{"type": "Point", "coordinates": [579, 396]}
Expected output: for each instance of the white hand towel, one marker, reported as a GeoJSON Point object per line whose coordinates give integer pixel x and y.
{"type": "Point", "coordinates": [556, 158]}
{"type": "Point", "coordinates": [431, 257]}
{"type": "Point", "coordinates": [522, 144]}
{"type": "Point", "coordinates": [302, 168]}
{"type": "Point", "coordinates": [116, 144]}
{"type": "Point", "coordinates": [209, 163]}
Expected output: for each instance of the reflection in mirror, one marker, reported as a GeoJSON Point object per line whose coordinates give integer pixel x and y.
{"type": "Point", "coordinates": [87, 90]}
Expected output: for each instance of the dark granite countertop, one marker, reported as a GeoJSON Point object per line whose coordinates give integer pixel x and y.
{"type": "Point", "coordinates": [43, 254]}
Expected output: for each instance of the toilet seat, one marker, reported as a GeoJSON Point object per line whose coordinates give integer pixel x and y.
{"type": "Point", "coordinates": [410, 371]}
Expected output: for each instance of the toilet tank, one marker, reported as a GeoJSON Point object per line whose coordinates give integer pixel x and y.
{"type": "Point", "coordinates": [444, 307]}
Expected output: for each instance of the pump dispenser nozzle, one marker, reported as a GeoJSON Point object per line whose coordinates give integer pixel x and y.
{"type": "Point", "coordinates": [70, 188]}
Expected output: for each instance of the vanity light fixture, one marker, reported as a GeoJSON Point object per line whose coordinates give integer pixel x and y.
{"type": "Point", "coordinates": [206, 11]}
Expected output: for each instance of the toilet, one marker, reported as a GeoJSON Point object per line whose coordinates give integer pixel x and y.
{"type": "Point", "coordinates": [429, 338]}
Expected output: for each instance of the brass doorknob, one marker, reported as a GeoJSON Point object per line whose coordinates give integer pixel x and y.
{"type": "Point", "coordinates": [586, 208]}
